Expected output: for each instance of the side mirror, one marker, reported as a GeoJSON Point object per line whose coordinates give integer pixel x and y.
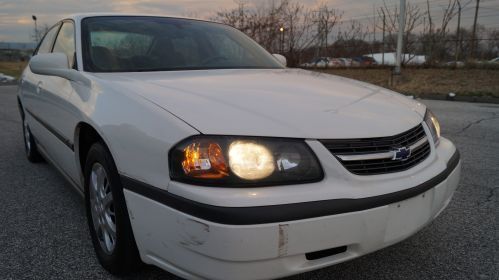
{"type": "Point", "coordinates": [281, 58]}
{"type": "Point", "coordinates": [55, 64]}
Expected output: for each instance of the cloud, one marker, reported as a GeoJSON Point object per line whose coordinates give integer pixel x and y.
{"type": "Point", "coordinates": [16, 23]}
{"type": "Point", "coordinates": [24, 20]}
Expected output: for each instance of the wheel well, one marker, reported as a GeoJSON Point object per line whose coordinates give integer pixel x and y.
{"type": "Point", "coordinates": [86, 136]}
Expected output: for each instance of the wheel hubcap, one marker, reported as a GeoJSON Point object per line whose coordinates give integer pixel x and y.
{"type": "Point", "coordinates": [27, 136]}
{"type": "Point", "coordinates": [102, 208]}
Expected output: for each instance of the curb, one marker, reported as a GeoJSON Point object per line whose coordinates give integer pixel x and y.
{"type": "Point", "coordinates": [461, 98]}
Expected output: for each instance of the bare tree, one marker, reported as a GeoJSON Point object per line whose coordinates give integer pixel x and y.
{"type": "Point", "coordinates": [459, 40]}
{"type": "Point", "coordinates": [39, 32]}
{"type": "Point", "coordinates": [413, 19]}
{"type": "Point", "coordinates": [473, 34]}
{"type": "Point", "coordinates": [353, 30]}
{"type": "Point", "coordinates": [302, 33]}
{"type": "Point", "coordinates": [263, 21]}
{"type": "Point", "coordinates": [435, 37]}
{"type": "Point", "coordinates": [350, 40]}
{"type": "Point", "coordinates": [325, 19]}
{"type": "Point", "coordinates": [298, 28]}
{"type": "Point", "coordinates": [233, 17]}
{"type": "Point", "coordinates": [493, 43]}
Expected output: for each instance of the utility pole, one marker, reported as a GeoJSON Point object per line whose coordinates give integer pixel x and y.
{"type": "Point", "coordinates": [374, 22]}
{"type": "Point", "coordinates": [318, 21]}
{"type": "Point", "coordinates": [291, 36]}
{"type": "Point", "coordinates": [374, 31]}
{"type": "Point", "coordinates": [383, 46]}
{"type": "Point", "coordinates": [400, 37]}
{"type": "Point", "coordinates": [325, 33]}
{"type": "Point", "coordinates": [322, 31]}
{"type": "Point", "coordinates": [424, 25]}
{"type": "Point", "coordinates": [282, 39]}
{"type": "Point", "coordinates": [430, 32]}
{"type": "Point", "coordinates": [473, 34]}
{"type": "Point", "coordinates": [36, 29]}
{"type": "Point", "coordinates": [241, 14]}
{"type": "Point", "coordinates": [458, 31]}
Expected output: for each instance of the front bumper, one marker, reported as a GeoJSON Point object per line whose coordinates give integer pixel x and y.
{"type": "Point", "coordinates": [195, 240]}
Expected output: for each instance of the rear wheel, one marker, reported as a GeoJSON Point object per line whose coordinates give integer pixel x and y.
{"type": "Point", "coordinates": [107, 215]}
{"type": "Point", "coordinates": [30, 145]}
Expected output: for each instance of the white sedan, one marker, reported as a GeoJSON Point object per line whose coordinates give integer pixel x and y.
{"type": "Point", "coordinates": [199, 152]}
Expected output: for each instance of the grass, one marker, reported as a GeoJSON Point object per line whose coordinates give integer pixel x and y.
{"type": "Point", "coordinates": [431, 81]}
{"type": "Point", "coordinates": [11, 68]}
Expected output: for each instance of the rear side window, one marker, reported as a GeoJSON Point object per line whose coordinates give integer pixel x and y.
{"type": "Point", "coordinates": [46, 44]}
{"type": "Point", "coordinates": [65, 42]}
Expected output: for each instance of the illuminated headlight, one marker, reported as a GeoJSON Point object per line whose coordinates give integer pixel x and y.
{"type": "Point", "coordinates": [228, 161]}
{"type": "Point", "coordinates": [250, 161]}
{"type": "Point", "coordinates": [433, 125]}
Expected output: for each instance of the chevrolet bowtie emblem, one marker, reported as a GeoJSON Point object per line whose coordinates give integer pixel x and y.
{"type": "Point", "coordinates": [401, 154]}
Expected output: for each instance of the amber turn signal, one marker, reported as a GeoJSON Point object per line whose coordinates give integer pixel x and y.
{"type": "Point", "coordinates": [204, 160]}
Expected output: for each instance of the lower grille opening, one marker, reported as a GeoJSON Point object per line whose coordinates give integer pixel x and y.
{"type": "Point", "coordinates": [325, 253]}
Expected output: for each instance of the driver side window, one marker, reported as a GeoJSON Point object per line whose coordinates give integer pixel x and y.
{"type": "Point", "coordinates": [65, 42]}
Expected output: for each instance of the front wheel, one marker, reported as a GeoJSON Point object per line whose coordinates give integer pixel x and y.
{"type": "Point", "coordinates": [107, 215]}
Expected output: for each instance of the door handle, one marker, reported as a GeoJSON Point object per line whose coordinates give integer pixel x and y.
{"type": "Point", "coordinates": [39, 87]}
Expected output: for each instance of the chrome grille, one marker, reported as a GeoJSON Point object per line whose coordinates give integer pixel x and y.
{"type": "Point", "coordinates": [371, 156]}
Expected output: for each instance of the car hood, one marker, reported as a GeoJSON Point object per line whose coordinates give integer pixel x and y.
{"type": "Point", "coordinates": [275, 103]}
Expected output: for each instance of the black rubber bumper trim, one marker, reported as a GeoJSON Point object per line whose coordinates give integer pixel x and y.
{"type": "Point", "coordinates": [284, 212]}
{"type": "Point", "coordinates": [52, 130]}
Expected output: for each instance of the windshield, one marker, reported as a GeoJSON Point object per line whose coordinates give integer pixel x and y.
{"type": "Point", "coordinates": [136, 44]}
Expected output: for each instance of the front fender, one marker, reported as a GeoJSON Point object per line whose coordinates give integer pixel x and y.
{"type": "Point", "coordinates": [138, 133]}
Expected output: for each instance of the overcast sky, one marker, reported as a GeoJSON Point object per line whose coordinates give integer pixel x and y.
{"type": "Point", "coordinates": [16, 24]}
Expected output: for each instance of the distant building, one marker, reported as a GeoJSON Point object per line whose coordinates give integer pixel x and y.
{"type": "Point", "coordinates": [409, 59]}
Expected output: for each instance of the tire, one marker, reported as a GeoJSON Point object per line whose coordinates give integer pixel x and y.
{"type": "Point", "coordinates": [30, 145]}
{"type": "Point", "coordinates": [107, 214]}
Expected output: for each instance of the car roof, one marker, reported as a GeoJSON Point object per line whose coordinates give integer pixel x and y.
{"type": "Point", "coordinates": [80, 16]}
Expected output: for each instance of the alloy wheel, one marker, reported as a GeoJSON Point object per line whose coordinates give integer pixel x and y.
{"type": "Point", "coordinates": [102, 208]}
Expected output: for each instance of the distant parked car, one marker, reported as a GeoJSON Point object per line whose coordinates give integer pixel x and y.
{"type": "Point", "coordinates": [367, 61]}
{"type": "Point", "coordinates": [458, 64]}
{"type": "Point", "coordinates": [5, 78]}
{"type": "Point", "coordinates": [334, 62]}
{"type": "Point", "coordinates": [347, 62]}
{"type": "Point", "coordinates": [356, 61]}
{"type": "Point", "coordinates": [321, 62]}
{"type": "Point", "coordinates": [494, 60]}
{"type": "Point", "coordinates": [327, 62]}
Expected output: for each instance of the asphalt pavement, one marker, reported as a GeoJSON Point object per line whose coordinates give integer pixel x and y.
{"type": "Point", "coordinates": [44, 235]}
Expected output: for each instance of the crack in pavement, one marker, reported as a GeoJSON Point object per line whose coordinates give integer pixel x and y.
{"type": "Point", "coordinates": [494, 116]}
{"type": "Point", "coordinates": [488, 198]}
{"type": "Point", "coordinates": [491, 194]}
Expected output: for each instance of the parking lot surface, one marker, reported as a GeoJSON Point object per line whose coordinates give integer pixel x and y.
{"type": "Point", "coordinates": [44, 235]}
